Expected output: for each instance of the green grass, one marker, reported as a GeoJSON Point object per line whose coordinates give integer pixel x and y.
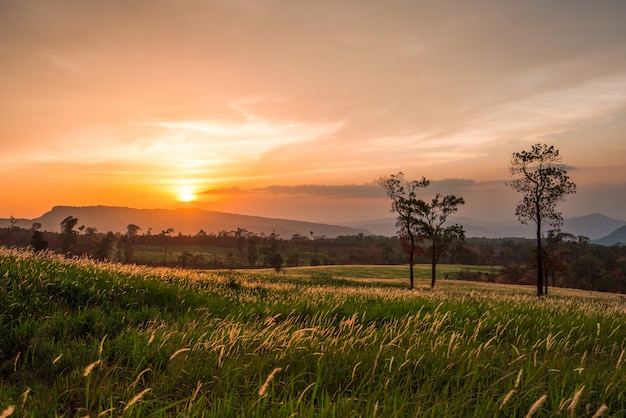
{"type": "Point", "coordinates": [421, 271]}
{"type": "Point", "coordinates": [81, 338]}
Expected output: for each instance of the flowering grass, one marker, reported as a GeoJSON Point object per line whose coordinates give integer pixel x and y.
{"type": "Point", "coordinates": [81, 338]}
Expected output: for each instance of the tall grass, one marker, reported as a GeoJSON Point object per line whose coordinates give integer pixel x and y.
{"type": "Point", "coordinates": [81, 338]}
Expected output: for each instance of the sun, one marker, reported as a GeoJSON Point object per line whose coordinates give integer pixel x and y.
{"type": "Point", "coordinates": [186, 194]}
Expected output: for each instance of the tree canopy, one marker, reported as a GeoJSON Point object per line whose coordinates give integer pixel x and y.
{"type": "Point", "coordinates": [543, 181]}
{"type": "Point", "coordinates": [419, 220]}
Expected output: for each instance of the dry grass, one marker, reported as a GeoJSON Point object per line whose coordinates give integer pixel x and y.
{"type": "Point", "coordinates": [191, 343]}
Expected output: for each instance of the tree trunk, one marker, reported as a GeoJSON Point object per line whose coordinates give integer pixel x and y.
{"type": "Point", "coordinates": [539, 259]}
{"type": "Point", "coordinates": [433, 261]}
{"type": "Point", "coordinates": [411, 261]}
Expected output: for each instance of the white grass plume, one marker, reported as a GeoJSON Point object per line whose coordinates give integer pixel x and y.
{"type": "Point", "coordinates": [572, 405]}
{"type": "Point", "coordinates": [600, 411]}
{"type": "Point", "coordinates": [89, 368]}
{"type": "Point", "coordinates": [136, 399]}
{"type": "Point", "coordinates": [8, 411]}
{"type": "Point", "coordinates": [263, 390]}
{"type": "Point", "coordinates": [535, 407]}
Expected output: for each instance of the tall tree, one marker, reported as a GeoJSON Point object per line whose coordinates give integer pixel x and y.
{"type": "Point", "coordinates": [252, 251]}
{"type": "Point", "coordinates": [166, 233]}
{"type": "Point", "coordinates": [68, 235]}
{"type": "Point", "coordinates": [131, 233]}
{"type": "Point", "coordinates": [543, 181]}
{"type": "Point", "coordinates": [431, 218]}
{"type": "Point", "coordinates": [404, 202]}
{"type": "Point", "coordinates": [38, 242]}
{"type": "Point", "coordinates": [241, 234]}
{"type": "Point", "coordinates": [105, 246]}
{"type": "Point", "coordinates": [273, 258]}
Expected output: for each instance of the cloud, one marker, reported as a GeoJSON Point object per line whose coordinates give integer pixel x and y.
{"type": "Point", "coordinates": [360, 191]}
{"type": "Point", "coordinates": [225, 191]}
{"type": "Point", "coordinates": [346, 191]}
{"type": "Point", "coordinates": [549, 113]}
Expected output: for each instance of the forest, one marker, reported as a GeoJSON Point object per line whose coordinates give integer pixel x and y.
{"type": "Point", "coordinates": [568, 261]}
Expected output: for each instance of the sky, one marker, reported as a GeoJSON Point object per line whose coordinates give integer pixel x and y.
{"type": "Point", "coordinates": [293, 109]}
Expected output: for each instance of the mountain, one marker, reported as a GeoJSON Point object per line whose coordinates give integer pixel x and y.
{"type": "Point", "coordinates": [616, 237]}
{"type": "Point", "coordinates": [472, 227]}
{"type": "Point", "coordinates": [185, 221]}
{"type": "Point", "coordinates": [385, 226]}
{"type": "Point", "coordinates": [190, 221]}
{"type": "Point", "coordinates": [593, 226]}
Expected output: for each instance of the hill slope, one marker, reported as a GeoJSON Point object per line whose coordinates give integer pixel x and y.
{"type": "Point", "coordinates": [593, 226]}
{"type": "Point", "coordinates": [616, 237]}
{"type": "Point", "coordinates": [185, 221]}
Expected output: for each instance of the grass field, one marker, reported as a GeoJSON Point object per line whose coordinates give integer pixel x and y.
{"type": "Point", "coordinates": [396, 274]}
{"type": "Point", "coordinates": [81, 338]}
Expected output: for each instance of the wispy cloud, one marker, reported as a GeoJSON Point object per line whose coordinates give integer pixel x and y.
{"type": "Point", "coordinates": [371, 190]}
{"type": "Point", "coordinates": [545, 114]}
{"type": "Point", "coordinates": [225, 191]}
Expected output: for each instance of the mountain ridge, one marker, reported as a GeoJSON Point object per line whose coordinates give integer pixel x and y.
{"type": "Point", "coordinates": [594, 226]}
{"type": "Point", "coordinates": [190, 221]}
{"type": "Point", "coordinates": [187, 221]}
{"type": "Point", "coordinates": [616, 237]}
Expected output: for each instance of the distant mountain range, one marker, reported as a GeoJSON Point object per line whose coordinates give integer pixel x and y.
{"type": "Point", "coordinates": [616, 237]}
{"type": "Point", "coordinates": [185, 221]}
{"type": "Point", "coordinates": [594, 226]}
{"type": "Point", "coordinates": [599, 228]}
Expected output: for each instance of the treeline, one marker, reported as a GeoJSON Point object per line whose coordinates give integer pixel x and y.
{"type": "Point", "coordinates": [568, 261]}
{"type": "Point", "coordinates": [225, 249]}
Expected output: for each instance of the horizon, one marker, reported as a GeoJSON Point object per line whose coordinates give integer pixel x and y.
{"type": "Point", "coordinates": [596, 226]}
{"type": "Point", "coordinates": [294, 110]}
{"type": "Point", "coordinates": [455, 217]}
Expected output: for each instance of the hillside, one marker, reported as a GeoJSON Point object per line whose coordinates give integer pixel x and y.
{"type": "Point", "coordinates": [185, 221]}
{"type": "Point", "coordinates": [593, 226]}
{"type": "Point", "coordinates": [596, 226]}
{"type": "Point", "coordinates": [616, 237]}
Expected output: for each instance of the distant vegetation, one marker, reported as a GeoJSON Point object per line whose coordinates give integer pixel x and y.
{"type": "Point", "coordinates": [555, 259]}
{"type": "Point", "coordinates": [569, 261]}
{"type": "Point", "coordinates": [85, 338]}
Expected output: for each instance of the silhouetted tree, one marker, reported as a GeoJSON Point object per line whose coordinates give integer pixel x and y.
{"type": "Point", "coordinates": [104, 246]}
{"type": "Point", "coordinates": [273, 258]}
{"type": "Point", "coordinates": [419, 220]}
{"type": "Point", "coordinates": [539, 175]}
{"type": "Point", "coordinates": [241, 234]}
{"type": "Point", "coordinates": [403, 194]}
{"type": "Point", "coordinates": [166, 233]}
{"type": "Point", "coordinates": [276, 261]}
{"type": "Point", "coordinates": [68, 235]}
{"type": "Point", "coordinates": [252, 251]}
{"type": "Point", "coordinates": [38, 242]}
{"type": "Point", "coordinates": [429, 221]}
{"type": "Point", "coordinates": [131, 233]}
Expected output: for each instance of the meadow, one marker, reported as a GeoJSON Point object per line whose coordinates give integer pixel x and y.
{"type": "Point", "coordinates": [83, 338]}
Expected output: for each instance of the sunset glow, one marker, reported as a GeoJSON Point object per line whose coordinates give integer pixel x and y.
{"type": "Point", "coordinates": [294, 109]}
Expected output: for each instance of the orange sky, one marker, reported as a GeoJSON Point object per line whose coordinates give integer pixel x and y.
{"type": "Point", "coordinates": [293, 109]}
